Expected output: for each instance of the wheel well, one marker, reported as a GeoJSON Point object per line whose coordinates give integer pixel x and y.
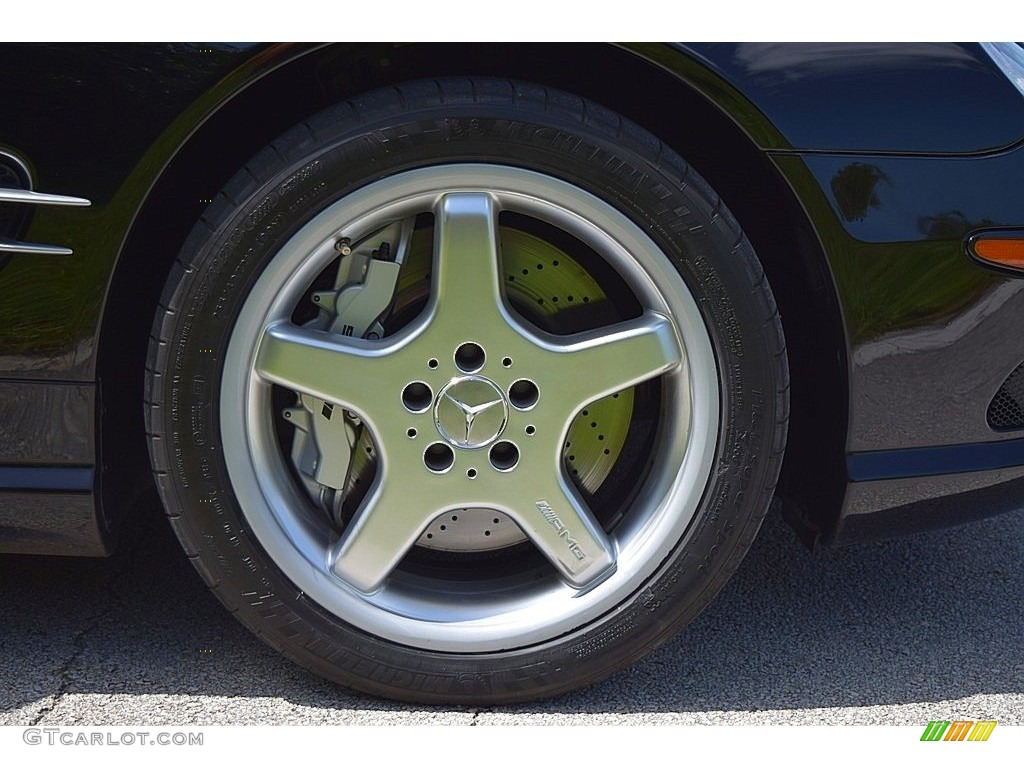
{"type": "Point", "coordinates": [813, 475]}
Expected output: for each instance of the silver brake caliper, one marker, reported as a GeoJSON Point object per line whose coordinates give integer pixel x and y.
{"type": "Point", "coordinates": [364, 289]}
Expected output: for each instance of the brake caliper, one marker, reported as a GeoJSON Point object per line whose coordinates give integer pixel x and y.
{"type": "Point", "coordinates": [364, 289]}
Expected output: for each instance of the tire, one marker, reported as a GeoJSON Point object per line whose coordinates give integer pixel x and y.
{"type": "Point", "coordinates": [517, 482]}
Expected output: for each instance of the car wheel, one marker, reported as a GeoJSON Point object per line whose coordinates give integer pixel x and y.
{"type": "Point", "coordinates": [466, 391]}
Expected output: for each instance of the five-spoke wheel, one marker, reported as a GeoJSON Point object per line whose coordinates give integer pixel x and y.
{"type": "Point", "coordinates": [467, 405]}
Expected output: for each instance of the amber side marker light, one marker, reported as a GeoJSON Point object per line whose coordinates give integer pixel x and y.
{"type": "Point", "coordinates": [1004, 249]}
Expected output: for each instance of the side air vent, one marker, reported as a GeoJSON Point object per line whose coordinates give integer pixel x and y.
{"type": "Point", "coordinates": [1006, 411]}
{"type": "Point", "coordinates": [16, 201]}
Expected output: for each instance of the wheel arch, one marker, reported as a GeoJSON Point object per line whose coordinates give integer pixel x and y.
{"type": "Point", "coordinates": [672, 106]}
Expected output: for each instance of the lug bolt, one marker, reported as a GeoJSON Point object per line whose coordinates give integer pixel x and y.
{"type": "Point", "coordinates": [417, 396]}
{"type": "Point", "coordinates": [469, 357]}
{"type": "Point", "coordinates": [523, 394]}
{"type": "Point", "coordinates": [504, 456]}
{"type": "Point", "coordinates": [438, 457]}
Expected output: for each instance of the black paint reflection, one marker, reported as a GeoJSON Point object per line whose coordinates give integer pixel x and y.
{"type": "Point", "coordinates": [932, 334]}
{"type": "Point", "coordinates": [898, 97]}
{"type": "Point", "coordinates": [903, 199]}
{"type": "Point", "coordinates": [853, 189]}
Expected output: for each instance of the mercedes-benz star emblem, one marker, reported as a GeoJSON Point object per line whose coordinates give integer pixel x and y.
{"type": "Point", "coordinates": [470, 412]}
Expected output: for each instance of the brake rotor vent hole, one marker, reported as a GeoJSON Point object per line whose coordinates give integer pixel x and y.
{"type": "Point", "coordinates": [438, 457]}
{"type": "Point", "coordinates": [504, 456]}
{"type": "Point", "coordinates": [523, 394]}
{"type": "Point", "coordinates": [469, 357]}
{"type": "Point", "coordinates": [417, 397]}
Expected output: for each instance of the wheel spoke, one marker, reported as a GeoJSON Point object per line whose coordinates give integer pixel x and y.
{"type": "Point", "coordinates": [467, 272]}
{"type": "Point", "coordinates": [597, 363]}
{"type": "Point", "coordinates": [314, 363]}
{"type": "Point", "coordinates": [383, 529]}
{"type": "Point", "coordinates": [561, 526]}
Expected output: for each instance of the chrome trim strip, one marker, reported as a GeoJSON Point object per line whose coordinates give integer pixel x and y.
{"type": "Point", "coordinates": [36, 249]}
{"type": "Point", "coordinates": [39, 198]}
{"type": "Point", "coordinates": [27, 196]}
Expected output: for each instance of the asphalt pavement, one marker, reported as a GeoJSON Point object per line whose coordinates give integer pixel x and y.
{"type": "Point", "coordinates": [899, 632]}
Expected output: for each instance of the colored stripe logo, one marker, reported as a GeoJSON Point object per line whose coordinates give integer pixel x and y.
{"type": "Point", "coordinates": [958, 730]}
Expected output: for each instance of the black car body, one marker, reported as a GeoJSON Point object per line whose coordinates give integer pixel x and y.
{"type": "Point", "coordinates": [859, 173]}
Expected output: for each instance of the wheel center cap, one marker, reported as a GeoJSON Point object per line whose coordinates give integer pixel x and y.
{"type": "Point", "coordinates": [470, 412]}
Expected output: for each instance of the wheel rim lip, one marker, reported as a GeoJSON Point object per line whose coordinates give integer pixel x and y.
{"type": "Point", "coordinates": [402, 611]}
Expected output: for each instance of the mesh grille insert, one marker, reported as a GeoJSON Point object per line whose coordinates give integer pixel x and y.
{"type": "Point", "coordinates": [1006, 411]}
